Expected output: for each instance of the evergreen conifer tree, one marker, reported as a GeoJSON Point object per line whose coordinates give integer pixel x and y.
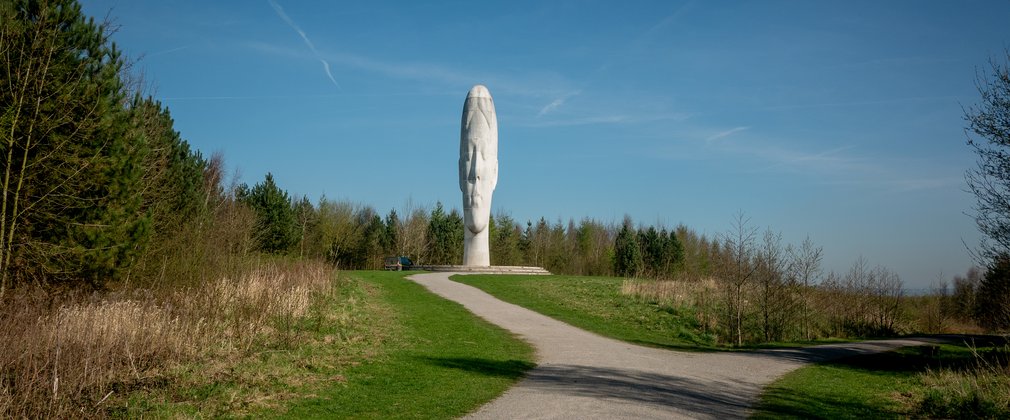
{"type": "Point", "coordinates": [275, 220]}
{"type": "Point", "coordinates": [652, 251]}
{"type": "Point", "coordinates": [173, 178]}
{"type": "Point", "coordinates": [454, 230]}
{"type": "Point", "coordinates": [627, 252]}
{"type": "Point", "coordinates": [505, 241]}
{"type": "Point", "coordinates": [673, 252]}
{"type": "Point", "coordinates": [72, 166]}
{"type": "Point", "coordinates": [438, 236]}
{"type": "Point", "coordinates": [391, 239]}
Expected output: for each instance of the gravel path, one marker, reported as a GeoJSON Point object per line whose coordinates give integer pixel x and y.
{"type": "Point", "coordinates": [583, 375]}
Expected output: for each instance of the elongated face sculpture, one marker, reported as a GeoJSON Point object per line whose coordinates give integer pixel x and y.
{"type": "Point", "coordinates": [478, 172]}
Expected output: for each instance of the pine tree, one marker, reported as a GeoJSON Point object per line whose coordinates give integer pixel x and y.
{"type": "Point", "coordinates": [673, 252]}
{"type": "Point", "coordinates": [391, 239]}
{"type": "Point", "coordinates": [439, 236]}
{"type": "Point", "coordinates": [454, 230]}
{"type": "Point", "coordinates": [445, 236]}
{"type": "Point", "coordinates": [531, 254]}
{"type": "Point", "coordinates": [174, 192]}
{"type": "Point", "coordinates": [275, 222]}
{"type": "Point", "coordinates": [505, 241]}
{"type": "Point", "coordinates": [72, 166]}
{"type": "Point", "coordinates": [627, 253]}
{"type": "Point", "coordinates": [652, 251]}
{"type": "Point", "coordinates": [173, 173]}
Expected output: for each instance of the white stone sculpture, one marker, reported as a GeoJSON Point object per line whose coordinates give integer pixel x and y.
{"type": "Point", "coordinates": [478, 173]}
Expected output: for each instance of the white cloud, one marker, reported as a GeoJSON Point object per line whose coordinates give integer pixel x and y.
{"type": "Point", "coordinates": [555, 104]}
{"type": "Point", "coordinates": [724, 134]}
{"type": "Point", "coordinates": [551, 106]}
{"type": "Point", "coordinates": [284, 16]}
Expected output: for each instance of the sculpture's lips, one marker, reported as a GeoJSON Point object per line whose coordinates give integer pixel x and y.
{"type": "Point", "coordinates": [478, 91]}
{"type": "Point", "coordinates": [472, 200]}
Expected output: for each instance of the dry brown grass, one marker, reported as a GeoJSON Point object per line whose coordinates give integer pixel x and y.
{"type": "Point", "coordinates": [67, 355]}
{"type": "Point", "coordinates": [700, 295]}
{"type": "Point", "coordinates": [676, 293]}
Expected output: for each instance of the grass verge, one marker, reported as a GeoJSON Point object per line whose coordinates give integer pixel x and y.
{"type": "Point", "coordinates": [436, 360]}
{"type": "Point", "coordinates": [896, 384]}
{"type": "Point", "coordinates": [383, 347]}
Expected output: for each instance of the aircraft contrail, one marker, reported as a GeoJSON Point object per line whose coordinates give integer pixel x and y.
{"type": "Point", "coordinates": [308, 42]}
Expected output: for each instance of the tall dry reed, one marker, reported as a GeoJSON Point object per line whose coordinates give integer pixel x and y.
{"type": "Point", "coordinates": [699, 295]}
{"type": "Point", "coordinates": [673, 292]}
{"type": "Point", "coordinates": [71, 355]}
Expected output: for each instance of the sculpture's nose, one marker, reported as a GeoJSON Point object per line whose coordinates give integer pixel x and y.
{"type": "Point", "coordinates": [474, 174]}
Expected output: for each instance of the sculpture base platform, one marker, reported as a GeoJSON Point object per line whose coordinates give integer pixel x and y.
{"type": "Point", "coordinates": [494, 269]}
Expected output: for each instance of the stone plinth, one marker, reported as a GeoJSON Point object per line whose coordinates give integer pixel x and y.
{"type": "Point", "coordinates": [493, 269]}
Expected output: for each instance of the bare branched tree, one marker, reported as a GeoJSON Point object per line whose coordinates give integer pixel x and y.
{"type": "Point", "coordinates": [989, 181]}
{"type": "Point", "coordinates": [737, 269]}
{"type": "Point", "coordinates": [775, 288]}
{"type": "Point", "coordinates": [805, 265]}
{"type": "Point", "coordinates": [937, 306]}
{"type": "Point", "coordinates": [411, 231]}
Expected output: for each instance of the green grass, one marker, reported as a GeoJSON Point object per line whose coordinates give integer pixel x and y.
{"type": "Point", "coordinates": [596, 304]}
{"type": "Point", "coordinates": [438, 361]}
{"type": "Point", "coordinates": [385, 348]}
{"type": "Point", "coordinates": [883, 385]}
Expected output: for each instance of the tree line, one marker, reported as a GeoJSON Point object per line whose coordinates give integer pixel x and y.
{"type": "Point", "coordinates": [356, 236]}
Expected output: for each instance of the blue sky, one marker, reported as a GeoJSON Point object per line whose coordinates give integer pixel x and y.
{"type": "Point", "coordinates": [842, 121]}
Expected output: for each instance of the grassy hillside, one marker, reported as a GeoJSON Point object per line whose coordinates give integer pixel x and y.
{"type": "Point", "coordinates": [597, 304]}
{"type": "Point", "coordinates": [611, 307]}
